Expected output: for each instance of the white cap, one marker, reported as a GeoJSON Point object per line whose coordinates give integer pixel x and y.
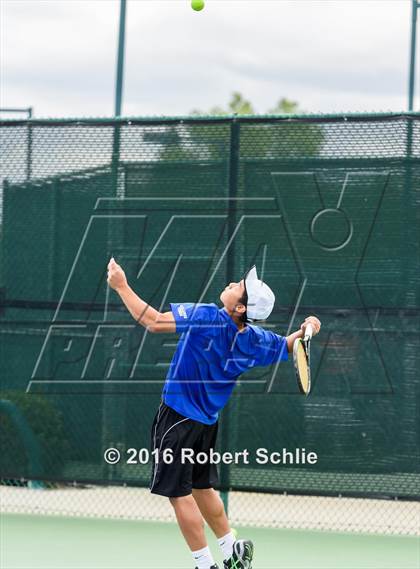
{"type": "Point", "coordinates": [260, 296]}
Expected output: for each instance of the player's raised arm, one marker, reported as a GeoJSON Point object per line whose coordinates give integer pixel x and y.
{"type": "Point", "coordinates": [316, 325]}
{"type": "Point", "coordinates": [142, 312]}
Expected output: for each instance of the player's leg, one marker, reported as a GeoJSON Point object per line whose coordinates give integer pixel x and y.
{"type": "Point", "coordinates": [190, 521]}
{"type": "Point", "coordinates": [237, 554]}
{"type": "Point", "coordinates": [213, 510]}
{"type": "Point", "coordinates": [172, 477]}
{"type": "Point", "coordinates": [191, 524]}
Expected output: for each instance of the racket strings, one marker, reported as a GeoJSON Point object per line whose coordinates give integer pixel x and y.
{"type": "Point", "coordinates": [302, 367]}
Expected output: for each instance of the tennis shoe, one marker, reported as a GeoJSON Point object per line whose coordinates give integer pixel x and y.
{"type": "Point", "coordinates": [212, 567]}
{"type": "Point", "coordinates": [243, 550]}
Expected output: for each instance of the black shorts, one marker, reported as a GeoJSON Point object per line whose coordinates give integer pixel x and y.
{"type": "Point", "coordinates": [173, 431]}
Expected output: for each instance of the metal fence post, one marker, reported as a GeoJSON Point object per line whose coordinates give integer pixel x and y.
{"type": "Point", "coordinates": [120, 60]}
{"type": "Point", "coordinates": [415, 6]}
{"type": "Point", "coordinates": [230, 274]}
{"type": "Point", "coordinates": [29, 150]}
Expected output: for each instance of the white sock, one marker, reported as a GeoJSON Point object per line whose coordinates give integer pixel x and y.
{"type": "Point", "coordinates": [203, 558]}
{"type": "Point", "coordinates": [226, 545]}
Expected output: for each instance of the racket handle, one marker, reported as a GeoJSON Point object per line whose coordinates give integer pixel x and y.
{"type": "Point", "coordinates": [308, 332]}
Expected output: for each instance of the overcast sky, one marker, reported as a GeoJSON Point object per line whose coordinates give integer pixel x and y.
{"type": "Point", "coordinates": [331, 56]}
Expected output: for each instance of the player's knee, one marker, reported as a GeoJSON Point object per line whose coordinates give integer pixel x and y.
{"type": "Point", "coordinates": [180, 501]}
{"type": "Point", "coordinates": [175, 502]}
{"type": "Point", "coordinates": [211, 500]}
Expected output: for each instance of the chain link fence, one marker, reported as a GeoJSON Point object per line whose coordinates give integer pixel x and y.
{"type": "Point", "coordinates": [327, 513]}
{"type": "Point", "coordinates": [326, 206]}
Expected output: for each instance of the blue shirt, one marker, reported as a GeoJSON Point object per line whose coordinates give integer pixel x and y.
{"type": "Point", "coordinates": [210, 355]}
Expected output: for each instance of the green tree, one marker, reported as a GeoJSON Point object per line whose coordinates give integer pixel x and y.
{"type": "Point", "coordinates": [258, 140]}
{"type": "Point", "coordinates": [285, 107]}
{"type": "Point", "coordinates": [238, 105]}
{"type": "Point", "coordinates": [47, 425]}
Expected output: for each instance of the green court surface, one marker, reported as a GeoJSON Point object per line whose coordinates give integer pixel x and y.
{"type": "Point", "coordinates": [42, 542]}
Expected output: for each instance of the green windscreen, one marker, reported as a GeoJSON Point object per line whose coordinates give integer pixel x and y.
{"type": "Point", "coordinates": [328, 210]}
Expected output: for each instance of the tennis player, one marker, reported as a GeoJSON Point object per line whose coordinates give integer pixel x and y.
{"type": "Point", "coordinates": [215, 347]}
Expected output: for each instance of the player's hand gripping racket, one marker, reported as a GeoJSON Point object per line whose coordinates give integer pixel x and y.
{"type": "Point", "coordinates": [301, 359]}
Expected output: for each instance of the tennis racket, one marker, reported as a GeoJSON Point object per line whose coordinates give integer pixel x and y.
{"type": "Point", "coordinates": [301, 359]}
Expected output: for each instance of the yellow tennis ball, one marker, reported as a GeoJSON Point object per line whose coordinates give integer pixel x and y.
{"type": "Point", "coordinates": [197, 5]}
{"type": "Point", "coordinates": [235, 533]}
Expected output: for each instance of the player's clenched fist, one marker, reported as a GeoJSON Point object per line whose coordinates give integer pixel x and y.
{"type": "Point", "coordinates": [313, 320]}
{"type": "Point", "coordinates": [116, 276]}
